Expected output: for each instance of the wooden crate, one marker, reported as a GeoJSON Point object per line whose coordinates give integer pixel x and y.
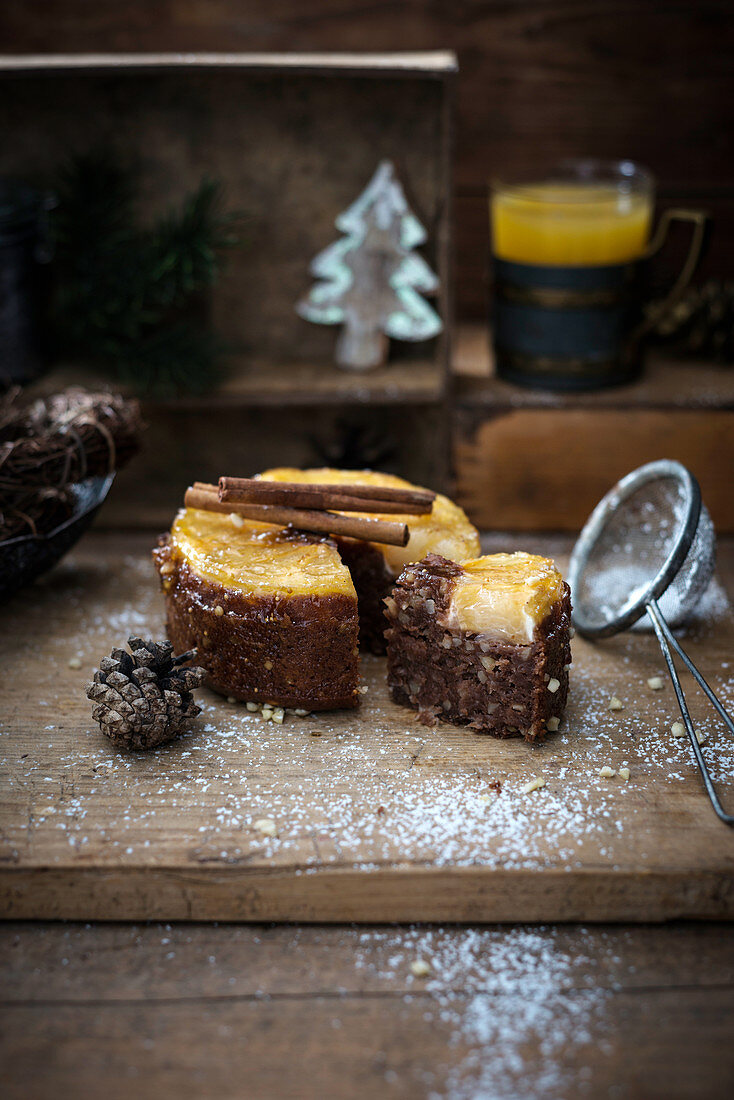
{"type": "Point", "coordinates": [294, 139]}
{"type": "Point", "coordinates": [529, 460]}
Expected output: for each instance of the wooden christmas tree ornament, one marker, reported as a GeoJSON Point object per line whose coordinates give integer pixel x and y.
{"type": "Point", "coordinates": [372, 280]}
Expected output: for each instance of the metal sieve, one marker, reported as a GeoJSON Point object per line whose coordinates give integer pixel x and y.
{"type": "Point", "coordinates": [643, 560]}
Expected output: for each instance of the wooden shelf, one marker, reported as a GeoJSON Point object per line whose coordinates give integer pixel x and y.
{"type": "Point", "coordinates": [254, 382]}
{"type": "Point", "coordinates": [532, 460]}
{"type": "Point", "coordinates": [183, 116]}
{"type": "Point", "coordinates": [665, 383]}
{"type": "Point", "coordinates": [267, 383]}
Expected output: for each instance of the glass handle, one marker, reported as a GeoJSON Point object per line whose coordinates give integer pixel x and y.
{"type": "Point", "coordinates": [700, 221]}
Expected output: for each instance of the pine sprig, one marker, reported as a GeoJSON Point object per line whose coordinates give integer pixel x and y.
{"type": "Point", "coordinates": [122, 291]}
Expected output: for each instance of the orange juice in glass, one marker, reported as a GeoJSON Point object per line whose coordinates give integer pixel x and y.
{"type": "Point", "coordinates": [571, 224]}
{"type": "Point", "coordinates": [567, 248]}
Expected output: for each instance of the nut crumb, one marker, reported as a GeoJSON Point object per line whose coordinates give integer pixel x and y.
{"type": "Point", "coordinates": [655, 683]}
{"type": "Point", "coordinates": [278, 715]}
{"type": "Point", "coordinates": [419, 968]}
{"type": "Point", "coordinates": [301, 713]}
{"type": "Point", "coordinates": [218, 610]}
{"type": "Point", "coordinates": [167, 568]}
{"type": "Point", "coordinates": [363, 689]}
{"type": "Point", "coordinates": [702, 738]}
{"type": "Point", "coordinates": [266, 826]}
{"type": "Point", "coordinates": [252, 706]}
{"type": "Point", "coordinates": [553, 685]}
{"type": "Point", "coordinates": [552, 724]}
{"type": "Point", "coordinates": [75, 662]}
{"type": "Point", "coordinates": [624, 773]}
{"type": "Point", "coordinates": [268, 665]}
{"type": "Point", "coordinates": [606, 772]}
{"type": "Point", "coordinates": [615, 703]}
{"type": "Point", "coordinates": [231, 699]}
{"type": "Point", "coordinates": [678, 729]}
{"type": "Point", "coordinates": [533, 785]}
{"type": "Point", "coordinates": [237, 520]}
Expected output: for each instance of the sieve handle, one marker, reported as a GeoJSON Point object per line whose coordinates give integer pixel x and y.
{"type": "Point", "coordinates": [666, 640]}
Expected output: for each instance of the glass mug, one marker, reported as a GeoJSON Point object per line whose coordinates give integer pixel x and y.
{"type": "Point", "coordinates": [567, 254]}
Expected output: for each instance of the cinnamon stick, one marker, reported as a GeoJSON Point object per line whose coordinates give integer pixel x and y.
{"type": "Point", "coordinates": [341, 497]}
{"type": "Point", "coordinates": [202, 495]}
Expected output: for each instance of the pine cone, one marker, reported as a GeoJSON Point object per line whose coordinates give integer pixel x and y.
{"type": "Point", "coordinates": [145, 699]}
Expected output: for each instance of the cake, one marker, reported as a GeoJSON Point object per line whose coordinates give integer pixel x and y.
{"type": "Point", "coordinates": [374, 567]}
{"type": "Point", "coordinates": [483, 643]}
{"type": "Point", "coordinates": [272, 613]}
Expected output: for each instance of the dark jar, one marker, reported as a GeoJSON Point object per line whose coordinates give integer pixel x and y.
{"type": "Point", "coordinates": [24, 253]}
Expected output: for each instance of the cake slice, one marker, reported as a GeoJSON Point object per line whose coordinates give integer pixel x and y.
{"type": "Point", "coordinates": [484, 643]}
{"type": "Point", "coordinates": [374, 567]}
{"type": "Point", "coordinates": [272, 613]}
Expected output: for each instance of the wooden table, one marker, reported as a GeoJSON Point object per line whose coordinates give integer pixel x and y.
{"type": "Point", "coordinates": [504, 1011]}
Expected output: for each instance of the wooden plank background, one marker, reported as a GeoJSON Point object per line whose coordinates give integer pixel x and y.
{"type": "Point", "coordinates": [164, 1011]}
{"type": "Point", "coordinates": [647, 79]}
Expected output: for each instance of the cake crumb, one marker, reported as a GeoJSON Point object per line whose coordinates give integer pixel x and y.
{"type": "Point", "coordinates": [266, 826]}
{"type": "Point", "coordinates": [615, 703]}
{"type": "Point", "coordinates": [606, 772]}
{"type": "Point", "coordinates": [533, 785]}
{"type": "Point", "coordinates": [231, 699]}
{"type": "Point", "coordinates": [301, 713]}
{"type": "Point", "coordinates": [75, 662]}
{"type": "Point", "coordinates": [252, 706]}
{"type": "Point", "coordinates": [624, 773]}
{"type": "Point", "coordinates": [655, 683]}
{"type": "Point", "coordinates": [553, 685]}
{"type": "Point", "coordinates": [316, 733]}
{"type": "Point", "coordinates": [419, 968]}
{"type": "Point", "coordinates": [236, 519]}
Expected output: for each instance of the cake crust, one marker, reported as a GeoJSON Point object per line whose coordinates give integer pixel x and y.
{"type": "Point", "coordinates": [291, 650]}
{"type": "Point", "coordinates": [478, 679]}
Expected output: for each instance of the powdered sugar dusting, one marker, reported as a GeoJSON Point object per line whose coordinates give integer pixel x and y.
{"type": "Point", "coordinates": [501, 992]}
{"type": "Point", "coordinates": [360, 789]}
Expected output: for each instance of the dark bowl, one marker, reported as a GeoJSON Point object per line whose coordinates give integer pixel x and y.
{"type": "Point", "coordinates": [24, 558]}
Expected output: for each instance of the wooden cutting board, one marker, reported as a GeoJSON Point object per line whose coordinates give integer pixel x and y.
{"type": "Point", "coordinates": [377, 817]}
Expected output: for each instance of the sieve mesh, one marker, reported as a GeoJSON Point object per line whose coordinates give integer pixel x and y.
{"type": "Point", "coordinates": [649, 537]}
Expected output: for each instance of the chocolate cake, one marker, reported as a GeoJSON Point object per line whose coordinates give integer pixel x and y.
{"type": "Point", "coordinates": [484, 643]}
{"type": "Point", "coordinates": [374, 567]}
{"type": "Point", "coordinates": [272, 613]}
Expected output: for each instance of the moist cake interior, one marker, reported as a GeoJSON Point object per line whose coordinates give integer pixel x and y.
{"type": "Point", "coordinates": [484, 644]}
